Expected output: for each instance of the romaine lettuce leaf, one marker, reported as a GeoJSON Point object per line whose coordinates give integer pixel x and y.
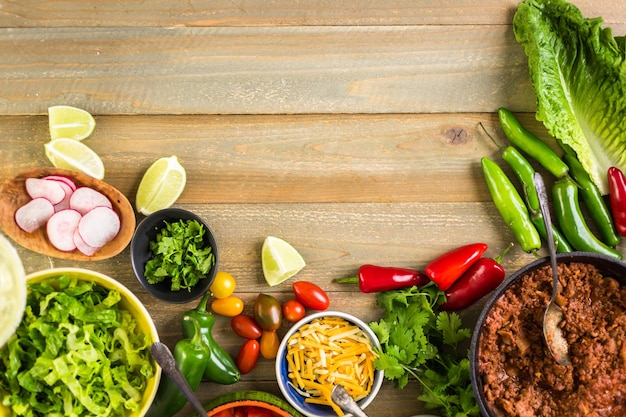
{"type": "Point", "coordinates": [76, 353]}
{"type": "Point", "coordinates": [578, 71]}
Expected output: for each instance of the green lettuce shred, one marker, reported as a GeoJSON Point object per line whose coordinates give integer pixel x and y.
{"type": "Point", "coordinates": [578, 72]}
{"type": "Point", "coordinates": [76, 353]}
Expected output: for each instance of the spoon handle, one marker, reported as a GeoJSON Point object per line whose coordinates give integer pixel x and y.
{"type": "Point", "coordinates": [161, 353]}
{"type": "Point", "coordinates": [545, 212]}
{"type": "Point", "coordinates": [342, 398]}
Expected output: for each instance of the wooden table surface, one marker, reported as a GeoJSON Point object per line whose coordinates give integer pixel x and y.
{"type": "Point", "coordinates": [349, 129]}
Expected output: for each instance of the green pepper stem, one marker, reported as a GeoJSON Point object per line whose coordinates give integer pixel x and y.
{"type": "Point", "coordinates": [504, 252]}
{"type": "Point", "coordinates": [202, 305]}
{"type": "Point", "coordinates": [501, 147]}
{"type": "Point", "coordinates": [348, 280]}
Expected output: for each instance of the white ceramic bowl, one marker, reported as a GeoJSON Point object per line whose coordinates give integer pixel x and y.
{"type": "Point", "coordinates": [13, 290]}
{"type": "Point", "coordinates": [292, 395]}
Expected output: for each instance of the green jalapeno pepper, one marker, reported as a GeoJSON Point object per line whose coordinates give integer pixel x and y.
{"type": "Point", "coordinates": [531, 144]}
{"type": "Point", "coordinates": [524, 172]}
{"type": "Point", "coordinates": [572, 222]}
{"type": "Point", "coordinates": [191, 355]}
{"type": "Point", "coordinates": [511, 206]}
{"type": "Point", "coordinates": [220, 367]}
{"type": "Point", "coordinates": [592, 197]}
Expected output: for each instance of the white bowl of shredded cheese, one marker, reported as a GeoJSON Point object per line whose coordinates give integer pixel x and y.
{"type": "Point", "coordinates": [322, 350]}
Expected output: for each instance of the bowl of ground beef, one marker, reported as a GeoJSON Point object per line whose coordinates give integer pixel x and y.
{"type": "Point", "coordinates": [513, 373]}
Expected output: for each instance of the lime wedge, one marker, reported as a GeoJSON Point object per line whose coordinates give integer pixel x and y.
{"type": "Point", "coordinates": [161, 185]}
{"type": "Point", "coordinates": [12, 290]}
{"type": "Point", "coordinates": [70, 122]}
{"type": "Point", "coordinates": [280, 260]}
{"type": "Point", "coordinates": [72, 154]}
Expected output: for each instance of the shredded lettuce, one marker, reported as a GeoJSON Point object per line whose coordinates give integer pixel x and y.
{"type": "Point", "coordinates": [578, 71]}
{"type": "Point", "coordinates": [76, 353]}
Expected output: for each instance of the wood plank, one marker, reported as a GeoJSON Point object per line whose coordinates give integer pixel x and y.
{"type": "Point", "coordinates": [94, 13]}
{"type": "Point", "coordinates": [264, 70]}
{"type": "Point", "coordinates": [299, 158]}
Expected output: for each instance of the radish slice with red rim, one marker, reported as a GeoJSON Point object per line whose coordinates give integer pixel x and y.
{"type": "Point", "coordinates": [65, 203]}
{"type": "Point", "coordinates": [50, 190]}
{"type": "Point", "coordinates": [99, 226]}
{"type": "Point", "coordinates": [84, 248]}
{"type": "Point", "coordinates": [85, 199]}
{"type": "Point", "coordinates": [34, 214]}
{"type": "Point", "coordinates": [61, 227]}
{"type": "Point", "coordinates": [66, 180]}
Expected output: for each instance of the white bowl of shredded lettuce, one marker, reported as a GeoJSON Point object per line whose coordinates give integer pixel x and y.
{"type": "Point", "coordinates": [82, 348]}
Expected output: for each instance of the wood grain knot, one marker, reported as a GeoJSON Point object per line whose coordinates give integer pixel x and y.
{"type": "Point", "coordinates": [456, 136]}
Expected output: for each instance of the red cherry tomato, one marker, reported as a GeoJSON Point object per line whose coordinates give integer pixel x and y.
{"type": "Point", "coordinates": [253, 411]}
{"type": "Point", "coordinates": [248, 356]}
{"type": "Point", "coordinates": [293, 310]}
{"type": "Point", "coordinates": [310, 295]}
{"type": "Point", "coordinates": [269, 344]}
{"type": "Point", "coordinates": [224, 413]}
{"type": "Point", "coordinates": [245, 326]}
{"type": "Point", "coordinates": [240, 412]}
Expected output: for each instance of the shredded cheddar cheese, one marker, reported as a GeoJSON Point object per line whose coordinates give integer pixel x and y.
{"type": "Point", "coordinates": [327, 352]}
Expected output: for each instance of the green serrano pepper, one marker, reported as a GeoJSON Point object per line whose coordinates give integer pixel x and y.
{"type": "Point", "coordinates": [531, 144]}
{"type": "Point", "coordinates": [510, 205]}
{"type": "Point", "coordinates": [524, 172]}
{"type": "Point", "coordinates": [592, 197]}
{"type": "Point", "coordinates": [572, 222]}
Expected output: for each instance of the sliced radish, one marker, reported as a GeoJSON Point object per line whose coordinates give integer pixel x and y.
{"type": "Point", "coordinates": [85, 199]}
{"type": "Point", "coordinates": [65, 203]}
{"type": "Point", "coordinates": [61, 227]}
{"type": "Point", "coordinates": [66, 180]}
{"type": "Point", "coordinates": [34, 214]}
{"type": "Point", "coordinates": [84, 248]}
{"type": "Point", "coordinates": [50, 190]}
{"type": "Point", "coordinates": [99, 226]}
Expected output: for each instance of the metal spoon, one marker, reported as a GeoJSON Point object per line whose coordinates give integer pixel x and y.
{"type": "Point", "coordinates": [344, 400]}
{"type": "Point", "coordinates": [163, 356]}
{"type": "Point", "coordinates": [553, 314]}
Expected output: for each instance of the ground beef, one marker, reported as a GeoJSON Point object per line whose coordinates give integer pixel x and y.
{"type": "Point", "coordinates": [520, 377]}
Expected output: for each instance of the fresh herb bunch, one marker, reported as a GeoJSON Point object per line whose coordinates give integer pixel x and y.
{"type": "Point", "coordinates": [179, 253]}
{"type": "Point", "coordinates": [419, 341]}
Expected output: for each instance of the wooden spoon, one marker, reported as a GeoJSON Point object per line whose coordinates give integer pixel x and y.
{"type": "Point", "coordinates": [13, 195]}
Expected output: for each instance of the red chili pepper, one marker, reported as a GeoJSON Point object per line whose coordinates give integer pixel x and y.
{"type": "Point", "coordinates": [482, 277]}
{"type": "Point", "coordinates": [372, 278]}
{"type": "Point", "coordinates": [617, 196]}
{"type": "Point", "coordinates": [449, 267]}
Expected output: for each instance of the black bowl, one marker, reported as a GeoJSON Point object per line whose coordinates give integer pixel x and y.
{"type": "Point", "coordinates": [140, 254]}
{"type": "Point", "coordinates": [606, 265]}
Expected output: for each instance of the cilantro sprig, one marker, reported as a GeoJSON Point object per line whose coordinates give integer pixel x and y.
{"type": "Point", "coordinates": [421, 342]}
{"type": "Point", "coordinates": [179, 253]}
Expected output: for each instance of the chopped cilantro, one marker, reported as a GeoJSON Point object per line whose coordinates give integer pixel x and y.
{"type": "Point", "coordinates": [180, 254]}
{"type": "Point", "coordinates": [421, 342]}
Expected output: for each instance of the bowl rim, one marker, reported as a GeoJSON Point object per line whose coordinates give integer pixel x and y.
{"type": "Point", "coordinates": [98, 277]}
{"type": "Point", "coordinates": [599, 260]}
{"type": "Point", "coordinates": [17, 285]}
{"type": "Point", "coordinates": [138, 257]}
{"type": "Point", "coordinates": [280, 358]}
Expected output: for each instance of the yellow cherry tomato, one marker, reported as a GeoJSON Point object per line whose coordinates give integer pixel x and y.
{"type": "Point", "coordinates": [223, 285]}
{"type": "Point", "coordinates": [269, 344]}
{"type": "Point", "coordinates": [230, 306]}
